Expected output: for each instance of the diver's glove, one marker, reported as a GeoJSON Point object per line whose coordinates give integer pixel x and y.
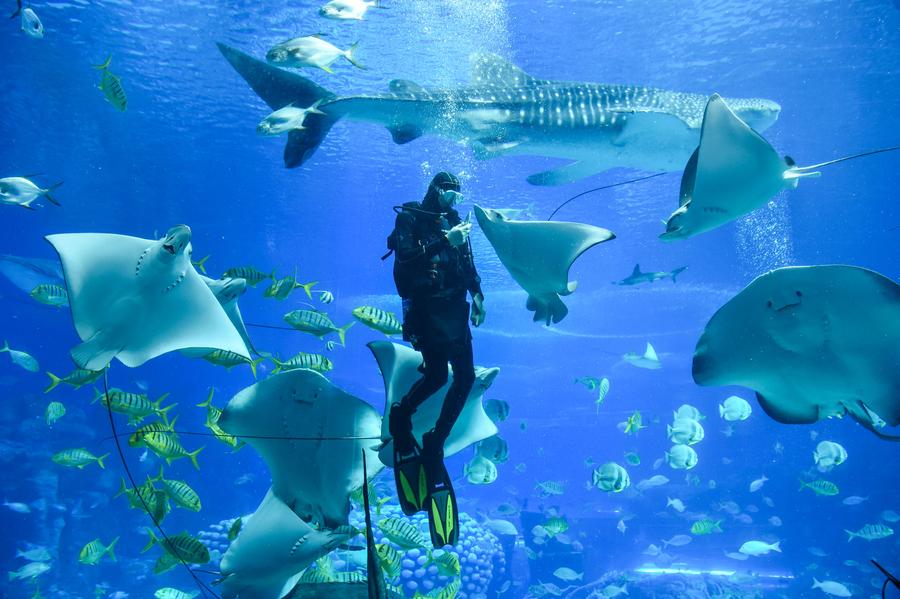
{"type": "Point", "coordinates": [478, 311]}
{"type": "Point", "coordinates": [458, 234]}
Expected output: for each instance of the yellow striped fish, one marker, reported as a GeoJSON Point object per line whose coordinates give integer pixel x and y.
{"type": "Point", "coordinates": [182, 545]}
{"type": "Point", "coordinates": [378, 319]}
{"type": "Point", "coordinates": [402, 533]}
{"type": "Point", "coordinates": [229, 359]}
{"type": "Point", "coordinates": [316, 362]}
{"type": "Point", "coordinates": [51, 295]}
{"type": "Point", "coordinates": [280, 289]}
{"type": "Point", "coordinates": [212, 423]}
{"type": "Point", "coordinates": [154, 501]}
{"type": "Point", "coordinates": [77, 458]}
{"type": "Point", "coordinates": [166, 446]}
{"type": "Point", "coordinates": [179, 492]}
{"type": "Point", "coordinates": [253, 276]}
{"type": "Point", "coordinates": [137, 437]}
{"type": "Point", "coordinates": [136, 406]}
{"type": "Point", "coordinates": [77, 378]}
{"type": "Point", "coordinates": [111, 86]}
{"type": "Point", "coordinates": [389, 559]}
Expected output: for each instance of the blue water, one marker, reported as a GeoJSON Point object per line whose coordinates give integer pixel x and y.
{"type": "Point", "coordinates": [186, 151]}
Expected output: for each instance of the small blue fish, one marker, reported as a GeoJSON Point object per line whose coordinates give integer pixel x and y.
{"type": "Point", "coordinates": [31, 24]}
{"type": "Point", "coordinates": [21, 358]}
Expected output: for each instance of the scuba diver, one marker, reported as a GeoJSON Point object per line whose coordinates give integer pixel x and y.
{"type": "Point", "coordinates": [433, 271]}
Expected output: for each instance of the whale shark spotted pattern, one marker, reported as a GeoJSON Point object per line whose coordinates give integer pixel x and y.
{"type": "Point", "coordinates": [505, 111]}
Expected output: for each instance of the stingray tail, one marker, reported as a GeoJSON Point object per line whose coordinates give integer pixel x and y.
{"type": "Point", "coordinates": [553, 310]}
{"type": "Point", "coordinates": [278, 88]}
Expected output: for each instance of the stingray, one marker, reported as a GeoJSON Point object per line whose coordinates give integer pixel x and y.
{"type": "Point", "coordinates": [538, 255]}
{"type": "Point", "coordinates": [813, 342]}
{"type": "Point", "coordinates": [318, 433]}
{"type": "Point", "coordinates": [399, 367]}
{"type": "Point", "coordinates": [272, 549]}
{"type": "Point", "coordinates": [227, 292]}
{"type": "Point", "coordinates": [732, 172]}
{"type": "Point", "coordinates": [135, 299]}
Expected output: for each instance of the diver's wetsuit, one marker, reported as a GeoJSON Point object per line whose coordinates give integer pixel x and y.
{"type": "Point", "coordinates": [433, 277]}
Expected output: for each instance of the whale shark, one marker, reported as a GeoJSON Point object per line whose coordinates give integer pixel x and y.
{"type": "Point", "coordinates": [505, 111]}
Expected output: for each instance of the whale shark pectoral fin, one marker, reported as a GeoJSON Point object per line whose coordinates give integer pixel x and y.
{"type": "Point", "coordinates": [403, 134]}
{"type": "Point", "coordinates": [567, 173]}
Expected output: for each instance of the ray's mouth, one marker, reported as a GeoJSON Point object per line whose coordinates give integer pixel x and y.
{"type": "Point", "coordinates": [169, 248]}
{"type": "Point", "coordinates": [786, 307]}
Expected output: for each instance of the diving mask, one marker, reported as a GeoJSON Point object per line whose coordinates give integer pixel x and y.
{"type": "Point", "coordinates": [451, 198]}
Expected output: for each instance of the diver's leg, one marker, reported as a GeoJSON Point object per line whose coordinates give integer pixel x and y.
{"type": "Point", "coordinates": [463, 378]}
{"type": "Point", "coordinates": [443, 512]}
{"type": "Point", "coordinates": [434, 377]}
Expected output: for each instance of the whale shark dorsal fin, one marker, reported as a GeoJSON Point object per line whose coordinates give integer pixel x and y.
{"type": "Point", "coordinates": [405, 86]}
{"type": "Point", "coordinates": [490, 70]}
{"type": "Point", "coordinates": [650, 353]}
{"type": "Point", "coordinates": [636, 271]}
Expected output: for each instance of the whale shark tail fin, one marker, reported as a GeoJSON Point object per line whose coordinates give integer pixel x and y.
{"type": "Point", "coordinates": [278, 88]}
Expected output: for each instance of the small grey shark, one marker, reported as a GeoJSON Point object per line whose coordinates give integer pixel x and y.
{"type": "Point", "coordinates": [637, 277]}
{"type": "Point", "coordinates": [504, 111]}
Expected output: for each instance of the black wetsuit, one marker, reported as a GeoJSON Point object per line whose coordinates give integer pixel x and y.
{"type": "Point", "coordinates": [433, 278]}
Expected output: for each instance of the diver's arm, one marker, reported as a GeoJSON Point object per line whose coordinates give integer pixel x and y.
{"type": "Point", "coordinates": [411, 249]}
{"type": "Point", "coordinates": [474, 277]}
